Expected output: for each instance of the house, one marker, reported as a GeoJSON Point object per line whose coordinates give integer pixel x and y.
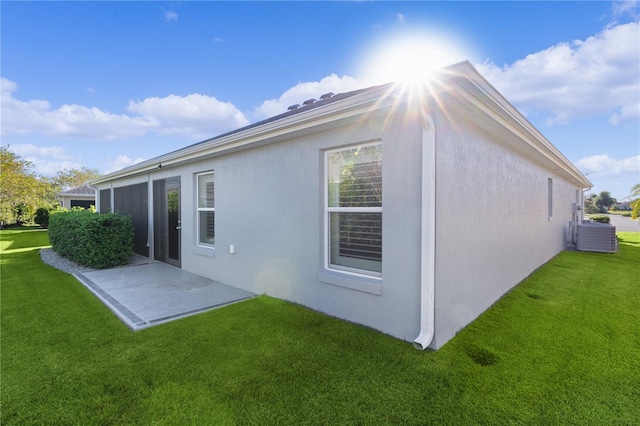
{"type": "Point", "coordinates": [377, 206]}
{"type": "Point", "coordinates": [81, 196]}
{"type": "Point", "coordinates": [624, 205]}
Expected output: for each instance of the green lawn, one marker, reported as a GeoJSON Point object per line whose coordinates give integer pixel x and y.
{"type": "Point", "coordinates": [561, 348]}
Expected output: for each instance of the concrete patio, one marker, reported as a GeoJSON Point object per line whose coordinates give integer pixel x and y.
{"type": "Point", "coordinates": [150, 294]}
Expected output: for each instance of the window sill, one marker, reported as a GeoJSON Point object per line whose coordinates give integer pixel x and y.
{"type": "Point", "coordinates": [371, 285]}
{"type": "Point", "coordinates": [205, 251]}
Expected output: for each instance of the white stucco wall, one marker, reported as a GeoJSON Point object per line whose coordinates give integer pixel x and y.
{"type": "Point", "coordinates": [492, 228]}
{"type": "Point", "coordinates": [269, 205]}
{"type": "Point", "coordinates": [492, 222]}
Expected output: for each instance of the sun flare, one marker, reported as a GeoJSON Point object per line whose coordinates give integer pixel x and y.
{"type": "Point", "coordinates": [410, 58]}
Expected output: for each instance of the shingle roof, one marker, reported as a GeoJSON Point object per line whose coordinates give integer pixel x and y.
{"type": "Point", "coordinates": [79, 190]}
{"type": "Point", "coordinates": [324, 100]}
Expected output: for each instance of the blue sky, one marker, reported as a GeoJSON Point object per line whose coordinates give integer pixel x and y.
{"type": "Point", "coordinates": [106, 84]}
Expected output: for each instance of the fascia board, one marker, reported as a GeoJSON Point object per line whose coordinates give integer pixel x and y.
{"type": "Point", "coordinates": [65, 194]}
{"type": "Point", "coordinates": [368, 102]}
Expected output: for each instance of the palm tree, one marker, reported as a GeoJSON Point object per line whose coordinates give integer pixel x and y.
{"type": "Point", "coordinates": [635, 200]}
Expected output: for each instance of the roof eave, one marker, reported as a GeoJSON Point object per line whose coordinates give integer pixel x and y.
{"type": "Point", "coordinates": [71, 195]}
{"type": "Point", "coordinates": [498, 107]}
{"type": "Point", "coordinates": [359, 104]}
{"type": "Point", "coordinates": [473, 87]}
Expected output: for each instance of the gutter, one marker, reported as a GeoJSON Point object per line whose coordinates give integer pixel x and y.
{"type": "Point", "coordinates": [427, 233]}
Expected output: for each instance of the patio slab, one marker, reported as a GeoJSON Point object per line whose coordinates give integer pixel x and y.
{"type": "Point", "coordinates": [146, 295]}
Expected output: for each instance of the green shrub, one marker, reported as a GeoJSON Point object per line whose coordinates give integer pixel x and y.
{"type": "Point", "coordinates": [42, 217]}
{"type": "Point", "coordinates": [95, 240]}
{"type": "Point", "coordinates": [21, 213]}
{"type": "Point", "coordinates": [601, 219]}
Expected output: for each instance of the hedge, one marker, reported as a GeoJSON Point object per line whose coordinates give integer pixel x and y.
{"type": "Point", "coordinates": [91, 239]}
{"type": "Point", "coordinates": [601, 219]}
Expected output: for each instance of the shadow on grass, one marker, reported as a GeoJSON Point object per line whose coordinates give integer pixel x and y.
{"type": "Point", "coordinates": [629, 239]}
{"type": "Point", "coordinates": [23, 238]}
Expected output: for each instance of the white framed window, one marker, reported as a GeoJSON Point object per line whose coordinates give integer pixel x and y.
{"type": "Point", "coordinates": [353, 209]}
{"type": "Point", "coordinates": [206, 209]}
{"type": "Point", "coordinates": [550, 198]}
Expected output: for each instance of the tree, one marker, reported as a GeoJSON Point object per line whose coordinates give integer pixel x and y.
{"type": "Point", "coordinates": [42, 217]}
{"type": "Point", "coordinates": [67, 179]}
{"type": "Point", "coordinates": [590, 204]}
{"type": "Point", "coordinates": [635, 201]}
{"type": "Point", "coordinates": [21, 191]}
{"type": "Point", "coordinates": [605, 200]}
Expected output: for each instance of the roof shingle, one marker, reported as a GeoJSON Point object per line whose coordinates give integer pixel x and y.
{"type": "Point", "coordinates": [84, 190]}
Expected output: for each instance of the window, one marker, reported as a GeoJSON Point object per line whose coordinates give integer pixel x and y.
{"type": "Point", "coordinates": [206, 210]}
{"type": "Point", "coordinates": [353, 209]}
{"type": "Point", "coordinates": [550, 197]}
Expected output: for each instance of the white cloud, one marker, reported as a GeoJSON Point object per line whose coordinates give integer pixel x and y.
{"type": "Point", "coordinates": [170, 15]}
{"type": "Point", "coordinates": [625, 113]}
{"type": "Point", "coordinates": [600, 75]}
{"type": "Point", "coordinates": [400, 18]}
{"type": "Point", "coordinates": [29, 150]}
{"type": "Point", "coordinates": [7, 86]}
{"type": "Point", "coordinates": [217, 40]}
{"type": "Point", "coordinates": [307, 90]}
{"type": "Point", "coordinates": [120, 162]}
{"type": "Point", "coordinates": [49, 168]}
{"type": "Point", "coordinates": [37, 116]}
{"type": "Point", "coordinates": [603, 165]}
{"type": "Point", "coordinates": [625, 7]}
{"type": "Point", "coordinates": [46, 161]}
{"type": "Point", "coordinates": [193, 115]}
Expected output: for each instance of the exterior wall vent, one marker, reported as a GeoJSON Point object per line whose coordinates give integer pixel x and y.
{"type": "Point", "coordinates": [293, 107]}
{"type": "Point", "coordinates": [308, 102]}
{"type": "Point", "coordinates": [598, 237]}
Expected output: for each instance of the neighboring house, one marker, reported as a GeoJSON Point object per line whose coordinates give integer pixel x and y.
{"type": "Point", "coordinates": [626, 205]}
{"type": "Point", "coordinates": [377, 206]}
{"type": "Point", "coordinates": [81, 196]}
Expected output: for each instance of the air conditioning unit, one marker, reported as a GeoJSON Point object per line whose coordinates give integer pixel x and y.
{"type": "Point", "coordinates": [598, 237]}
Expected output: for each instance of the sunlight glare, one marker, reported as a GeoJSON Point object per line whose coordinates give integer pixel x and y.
{"type": "Point", "coordinates": [410, 58]}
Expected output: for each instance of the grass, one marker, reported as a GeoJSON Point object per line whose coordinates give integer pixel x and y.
{"type": "Point", "coordinates": [561, 348]}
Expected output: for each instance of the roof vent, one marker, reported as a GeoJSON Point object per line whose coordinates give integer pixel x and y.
{"type": "Point", "coordinates": [327, 95]}
{"type": "Point", "coordinates": [308, 102]}
{"type": "Point", "coordinates": [292, 107]}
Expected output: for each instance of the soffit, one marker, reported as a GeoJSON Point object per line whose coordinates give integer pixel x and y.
{"type": "Point", "coordinates": [493, 114]}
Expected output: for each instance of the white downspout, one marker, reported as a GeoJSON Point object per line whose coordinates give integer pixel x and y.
{"type": "Point", "coordinates": [428, 234]}
{"type": "Point", "coordinates": [96, 196]}
{"type": "Point", "coordinates": [150, 224]}
{"type": "Point", "coordinates": [112, 198]}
